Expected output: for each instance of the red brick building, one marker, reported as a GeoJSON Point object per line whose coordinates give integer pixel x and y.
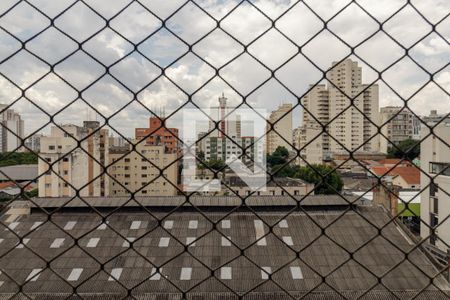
{"type": "Point", "coordinates": [158, 134]}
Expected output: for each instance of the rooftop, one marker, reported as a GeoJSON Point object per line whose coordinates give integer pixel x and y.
{"type": "Point", "coordinates": [410, 174]}
{"type": "Point", "coordinates": [19, 173]}
{"type": "Point", "coordinates": [160, 255]}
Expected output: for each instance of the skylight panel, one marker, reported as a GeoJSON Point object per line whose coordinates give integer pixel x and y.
{"type": "Point", "coordinates": [190, 240]}
{"type": "Point", "coordinates": [135, 225]}
{"type": "Point", "coordinates": [57, 243]}
{"type": "Point", "coordinates": [288, 240]}
{"type": "Point", "coordinates": [265, 272]}
{"type": "Point", "coordinates": [164, 242]}
{"type": "Point", "coordinates": [35, 225]}
{"type": "Point", "coordinates": [23, 243]}
{"type": "Point", "coordinates": [92, 243]}
{"type": "Point", "coordinates": [75, 274]}
{"type": "Point", "coordinates": [185, 273]}
{"type": "Point", "coordinates": [226, 242]}
{"type": "Point", "coordinates": [259, 229]}
{"type": "Point", "coordinates": [13, 225]}
{"type": "Point", "coordinates": [115, 274]}
{"type": "Point", "coordinates": [33, 276]}
{"type": "Point", "coordinates": [126, 243]}
{"type": "Point", "coordinates": [70, 225]}
{"type": "Point", "coordinates": [283, 224]}
{"type": "Point", "coordinates": [226, 224]}
{"type": "Point", "coordinates": [155, 275]}
{"type": "Point", "coordinates": [296, 273]}
{"type": "Point", "coordinates": [193, 224]}
{"type": "Point", "coordinates": [225, 273]}
{"type": "Point", "coordinates": [168, 224]}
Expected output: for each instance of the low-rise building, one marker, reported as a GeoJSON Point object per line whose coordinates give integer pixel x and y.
{"type": "Point", "coordinates": [278, 186]}
{"type": "Point", "coordinates": [139, 171]}
{"type": "Point", "coordinates": [406, 177]}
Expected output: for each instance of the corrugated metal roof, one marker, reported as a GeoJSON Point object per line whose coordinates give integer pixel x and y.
{"type": "Point", "coordinates": [319, 255]}
{"type": "Point", "coordinates": [19, 172]}
{"type": "Point", "coordinates": [197, 201]}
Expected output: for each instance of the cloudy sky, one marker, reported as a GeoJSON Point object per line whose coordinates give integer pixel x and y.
{"type": "Point", "coordinates": [136, 47]}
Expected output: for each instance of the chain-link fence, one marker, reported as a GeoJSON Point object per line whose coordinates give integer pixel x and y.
{"type": "Point", "coordinates": [121, 212]}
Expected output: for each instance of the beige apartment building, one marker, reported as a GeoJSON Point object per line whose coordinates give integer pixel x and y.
{"type": "Point", "coordinates": [435, 198]}
{"type": "Point", "coordinates": [81, 167]}
{"type": "Point", "coordinates": [139, 171]}
{"type": "Point", "coordinates": [349, 127]}
{"type": "Point", "coordinates": [400, 125]}
{"type": "Point", "coordinates": [282, 120]}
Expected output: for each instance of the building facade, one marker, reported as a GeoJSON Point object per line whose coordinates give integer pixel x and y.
{"type": "Point", "coordinates": [81, 168]}
{"type": "Point", "coordinates": [350, 127]}
{"type": "Point", "coordinates": [281, 135]}
{"type": "Point", "coordinates": [11, 129]}
{"type": "Point", "coordinates": [139, 171]}
{"type": "Point", "coordinates": [435, 117]}
{"type": "Point", "coordinates": [159, 134]}
{"type": "Point", "coordinates": [398, 125]}
{"type": "Point", "coordinates": [435, 198]}
{"type": "Point", "coordinates": [33, 143]}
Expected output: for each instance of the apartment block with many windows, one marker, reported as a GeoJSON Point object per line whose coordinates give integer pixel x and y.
{"type": "Point", "coordinates": [349, 106]}
{"type": "Point", "coordinates": [400, 125]}
{"type": "Point", "coordinates": [139, 171]}
{"type": "Point", "coordinates": [68, 167]}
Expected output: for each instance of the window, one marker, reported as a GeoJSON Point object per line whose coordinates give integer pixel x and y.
{"type": "Point", "coordinates": [51, 147]}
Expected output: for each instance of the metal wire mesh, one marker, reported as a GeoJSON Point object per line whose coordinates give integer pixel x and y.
{"type": "Point", "coordinates": [118, 22]}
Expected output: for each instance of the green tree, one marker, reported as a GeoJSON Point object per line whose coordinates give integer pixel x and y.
{"type": "Point", "coordinates": [278, 157]}
{"type": "Point", "coordinates": [18, 158]}
{"type": "Point", "coordinates": [215, 164]}
{"type": "Point", "coordinates": [331, 183]}
{"type": "Point", "coordinates": [409, 149]}
{"type": "Point", "coordinates": [33, 193]}
{"type": "Point", "coordinates": [284, 170]}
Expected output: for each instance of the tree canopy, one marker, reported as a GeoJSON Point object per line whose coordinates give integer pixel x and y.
{"type": "Point", "coordinates": [409, 149]}
{"type": "Point", "coordinates": [278, 157]}
{"type": "Point", "coordinates": [18, 158]}
{"type": "Point", "coordinates": [331, 183]}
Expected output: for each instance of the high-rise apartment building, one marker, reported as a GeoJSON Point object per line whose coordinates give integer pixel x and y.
{"type": "Point", "coordinates": [400, 125]}
{"type": "Point", "coordinates": [281, 134]}
{"type": "Point", "coordinates": [139, 171]}
{"type": "Point", "coordinates": [159, 134]}
{"type": "Point", "coordinates": [81, 167]}
{"type": "Point", "coordinates": [11, 129]}
{"type": "Point", "coordinates": [350, 106]}
{"type": "Point", "coordinates": [435, 198]}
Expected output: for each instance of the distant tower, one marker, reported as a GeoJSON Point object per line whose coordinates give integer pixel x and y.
{"type": "Point", "coordinates": [222, 111]}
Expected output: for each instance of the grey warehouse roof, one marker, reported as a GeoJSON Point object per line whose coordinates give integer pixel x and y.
{"type": "Point", "coordinates": [19, 173]}
{"type": "Point", "coordinates": [165, 255]}
{"type": "Point", "coordinates": [200, 201]}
